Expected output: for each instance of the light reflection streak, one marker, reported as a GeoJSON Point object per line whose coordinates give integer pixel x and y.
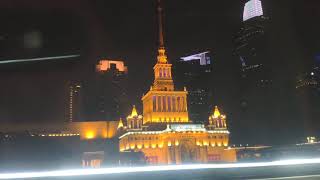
{"type": "Point", "coordinates": [38, 59]}
{"type": "Point", "coordinates": [118, 170]}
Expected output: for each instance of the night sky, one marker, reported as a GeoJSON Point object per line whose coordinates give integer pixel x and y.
{"type": "Point", "coordinates": [35, 91]}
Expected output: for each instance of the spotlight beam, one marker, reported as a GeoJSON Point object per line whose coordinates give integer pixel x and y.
{"type": "Point", "coordinates": [103, 171]}
{"type": "Point", "coordinates": [38, 59]}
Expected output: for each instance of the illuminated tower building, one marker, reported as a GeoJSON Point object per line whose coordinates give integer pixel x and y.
{"type": "Point", "coordinates": [75, 102]}
{"type": "Point", "coordinates": [167, 136]}
{"type": "Point", "coordinates": [163, 103]}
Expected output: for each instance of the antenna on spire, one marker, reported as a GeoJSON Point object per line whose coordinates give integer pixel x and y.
{"type": "Point", "coordinates": [160, 25]}
{"type": "Point", "coordinates": [162, 58]}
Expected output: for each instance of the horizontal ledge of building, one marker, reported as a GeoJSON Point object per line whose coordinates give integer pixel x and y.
{"type": "Point", "coordinates": [56, 135]}
{"type": "Point", "coordinates": [174, 131]}
{"type": "Point", "coordinates": [135, 147]}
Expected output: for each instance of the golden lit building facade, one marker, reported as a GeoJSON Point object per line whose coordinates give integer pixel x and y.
{"type": "Point", "coordinates": [166, 135]}
{"type": "Point", "coordinates": [176, 143]}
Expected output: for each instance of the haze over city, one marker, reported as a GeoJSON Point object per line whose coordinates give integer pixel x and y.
{"type": "Point", "coordinates": [205, 86]}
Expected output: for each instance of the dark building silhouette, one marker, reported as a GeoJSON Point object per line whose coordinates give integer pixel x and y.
{"type": "Point", "coordinates": [101, 96]}
{"type": "Point", "coordinates": [107, 91]}
{"type": "Point", "coordinates": [307, 90]}
{"type": "Point", "coordinates": [195, 72]}
{"type": "Point", "coordinates": [256, 96]}
{"type": "Point", "coordinates": [250, 47]}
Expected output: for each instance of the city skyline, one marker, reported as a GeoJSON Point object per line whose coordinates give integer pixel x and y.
{"type": "Point", "coordinates": [29, 82]}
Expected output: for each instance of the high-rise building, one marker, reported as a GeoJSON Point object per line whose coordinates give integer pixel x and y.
{"type": "Point", "coordinates": [108, 92]}
{"type": "Point", "coordinates": [195, 72]}
{"type": "Point", "coordinates": [167, 135]}
{"type": "Point", "coordinates": [249, 47]}
{"type": "Point", "coordinates": [75, 105]}
{"type": "Point", "coordinates": [255, 83]}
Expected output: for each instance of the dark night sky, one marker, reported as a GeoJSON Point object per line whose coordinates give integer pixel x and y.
{"type": "Point", "coordinates": [127, 30]}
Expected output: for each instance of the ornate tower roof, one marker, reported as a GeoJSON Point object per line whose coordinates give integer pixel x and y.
{"type": "Point", "coordinates": [120, 125]}
{"type": "Point", "coordinates": [217, 120]}
{"type": "Point", "coordinates": [216, 112]}
{"type": "Point", "coordinates": [134, 112]}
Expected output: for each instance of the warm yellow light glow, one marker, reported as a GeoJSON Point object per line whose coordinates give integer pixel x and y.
{"type": "Point", "coordinates": [139, 146]}
{"type": "Point", "coordinates": [177, 143]}
{"type": "Point", "coordinates": [105, 65]}
{"type": "Point", "coordinates": [134, 112]}
{"type": "Point", "coordinates": [153, 145]}
{"type": "Point", "coordinates": [120, 125]}
{"type": "Point", "coordinates": [89, 135]}
{"type": "Point", "coordinates": [169, 143]}
{"type": "Point", "coordinates": [216, 112]}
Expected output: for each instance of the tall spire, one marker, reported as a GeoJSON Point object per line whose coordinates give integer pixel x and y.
{"type": "Point", "coordinates": [159, 8]}
{"type": "Point", "coordinates": [162, 58]}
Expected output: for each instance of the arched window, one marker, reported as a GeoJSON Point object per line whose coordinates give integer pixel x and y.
{"type": "Point", "coordinates": [160, 72]}
{"type": "Point", "coordinates": [165, 72]}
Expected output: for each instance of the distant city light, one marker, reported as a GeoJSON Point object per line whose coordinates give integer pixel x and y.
{"type": "Point", "coordinates": [312, 73]}
{"type": "Point", "coordinates": [252, 8]}
{"type": "Point", "coordinates": [202, 57]}
{"type": "Point", "coordinates": [105, 65]}
{"type": "Point", "coordinates": [103, 171]}
{"type": "Point", "coordinates": [38, 59]}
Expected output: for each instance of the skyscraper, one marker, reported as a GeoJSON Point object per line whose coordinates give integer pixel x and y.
{"type": "Point", "coordinates": [102, 95]}
{"type": "Point", "coordinates": [75, 105]}
{"type": "Point", "coordinates": [249, 47]}
{"type": "Point", "coordinates": [256, 94]}
{"type": "Point", "coordinates": [195, 72]}
{"type": "Point", "coordinates": [109, 95]}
